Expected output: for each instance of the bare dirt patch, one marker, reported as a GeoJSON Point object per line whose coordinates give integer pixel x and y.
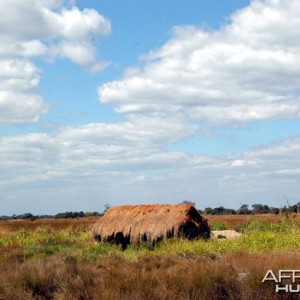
{"type": "Point", "coordinates": [225, 234]}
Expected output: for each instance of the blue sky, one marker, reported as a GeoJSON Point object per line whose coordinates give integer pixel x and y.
{"type": "Point", "coordinates": [114, 102]}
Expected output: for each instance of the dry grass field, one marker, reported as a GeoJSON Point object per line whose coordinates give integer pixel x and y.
{"type": "Point", "coordinates": [57, 259]}
{"type": "Point", "coordinates": [232, 221]}
{"type": "Point", "coordinates": [55, 224]}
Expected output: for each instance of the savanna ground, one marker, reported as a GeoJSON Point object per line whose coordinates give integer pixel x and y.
{"type": "Point", "coordinates": [57, 259]}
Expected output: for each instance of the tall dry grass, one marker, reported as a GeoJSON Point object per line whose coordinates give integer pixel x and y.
{"type": "Point", "coordinates": [234, 276]}
{"type": "Point", "coordinates": [63, 262]}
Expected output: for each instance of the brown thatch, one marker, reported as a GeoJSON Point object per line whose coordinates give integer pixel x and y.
{"type": "Point", "coordinates": [150, 223]}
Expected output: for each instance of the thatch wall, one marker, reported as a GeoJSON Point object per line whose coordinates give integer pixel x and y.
{"type": "Point", "coordinates": [151, 223]}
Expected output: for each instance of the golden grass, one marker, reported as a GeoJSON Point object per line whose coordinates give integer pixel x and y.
{"type": "Point", "coordinates": [233, 221]}
{"type": "Point", "coordinates": [150, 277]}
{"type": "Point", "coordinates": [55, 224]}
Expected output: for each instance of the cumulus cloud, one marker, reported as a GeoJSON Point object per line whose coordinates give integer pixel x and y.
{"type": "Point", "coordinates": [46, 28]}
{"type": "Point", "coordinates": [30, 28]}
{"type": "Point", "coordinates": [248, 70]}
{"type": "Point", "coordinates": [95, 148]}
{"type": "Point", "coordinates": [125, 162]}
{"type": "Point", "coordinates": [19, 102]}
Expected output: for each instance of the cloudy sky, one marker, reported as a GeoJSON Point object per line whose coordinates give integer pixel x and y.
{"type": "Point", "coordinates": [124, 102]}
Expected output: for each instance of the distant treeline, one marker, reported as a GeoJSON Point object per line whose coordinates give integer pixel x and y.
{"type": "Point", "coordinates": [256, 209]}
{"type": "Point", "coordinates": [243, 210]}
{"type": "Point", "coordinates": [64, 215]}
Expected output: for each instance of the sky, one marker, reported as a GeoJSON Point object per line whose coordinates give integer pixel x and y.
{"type": "Point", "coordinates": [131, 102]}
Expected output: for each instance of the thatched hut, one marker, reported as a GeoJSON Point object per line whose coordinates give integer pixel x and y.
{"type": "Point", "coordinates": [150, 223]}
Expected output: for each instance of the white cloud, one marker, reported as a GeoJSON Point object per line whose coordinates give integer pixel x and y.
{"type": "Point", "coordinates": [19, 102]}
{"type": "Point", "coordinates": [49, 19]}
{"type": "Point", "coordinates": [46, 28]}
{"type": "Point", "coordinates": [18, 48]}
{"type": "Point", "coordinates": [18, 73]}
{"type": "Point", "coordinates": [127, 162]}
{"type": "Point", "coordinates": [49, 25]}
{"type": "Point", "coordinates": [20, 108]}
{"type": "Point", "coordinates": [81, 53]}
{"type": "Point", "coordinates": [90, 150]}
{"type": "Point", "coordinates": [77, 25]}
{"type": "Point", "coordinates": [248, 70]}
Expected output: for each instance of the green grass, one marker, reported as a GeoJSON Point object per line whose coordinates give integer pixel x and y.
{"type": "Point", "coordinates": [287, 226]}
{"type": "Point", "coordinates": [258, 236]}
{"type": "Point", "coordinates": [216, 225]}
{"type": "Point", "coordinates": [252, 242]}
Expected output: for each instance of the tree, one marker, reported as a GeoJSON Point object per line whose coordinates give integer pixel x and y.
{"type": "Point", "coordinates": [219, 210]}
{"type": "Point", "coordinates": [28, 216]}
{"type": "Point", "coordinates": [260, 209]}
{"type": "Point", "coordinates": [274, 210]}
{"type": "Point", "coordinates": [229, 211]}
{"type": "Point", "coordinates": [208, 210]}
{"type": "Point", "coordinates": [244, 210]}
{"type": "Point", "coordinates": [188, 202]}
{"type": "Point", "coordinates": [106, 208]}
